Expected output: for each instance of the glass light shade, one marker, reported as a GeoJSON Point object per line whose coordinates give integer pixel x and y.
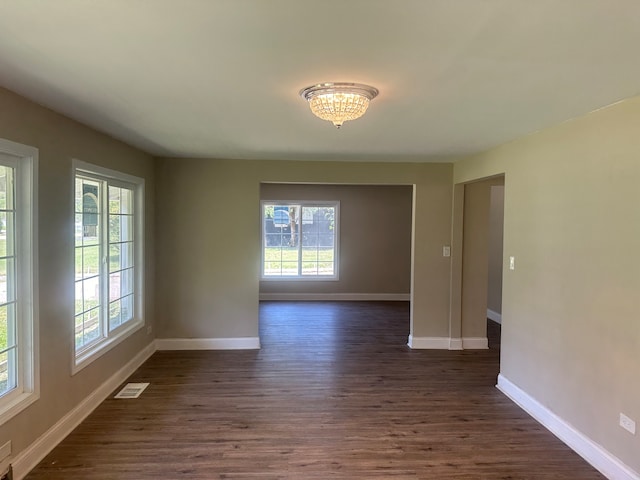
{"type": "Point", "coordinates": [339, 102]}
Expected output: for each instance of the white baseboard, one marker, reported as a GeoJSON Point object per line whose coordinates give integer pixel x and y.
{"type": "Point", "coordinates": [26, 460]}
{"type": "Point", "coordinates": [432, 343]}
{"type": "Point", "coordinates": [609, 465]}
{"type": "Point", "coordinates": [495, 316]}
{"type": "Point", "coordinates": [242, 343]}
{"type": "Point", "coordinates": [446, 343]}
{"type": "Point", "coordinates": [475, 343]}
{"type": "Point", "coordinates": [336, 297]}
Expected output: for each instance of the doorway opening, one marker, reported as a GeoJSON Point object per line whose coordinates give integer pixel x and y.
{"type": "Point", "coordinates": [477, 265]}
{"type": "Point", "coordinates": [369, 236]}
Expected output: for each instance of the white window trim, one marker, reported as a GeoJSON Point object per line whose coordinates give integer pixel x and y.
{"type": "Point", "coordinates": [86, 357]}
{"type": "Point", "coordinates": [28, 389]}
{"type": "Point", "coordinates": [336, 248]}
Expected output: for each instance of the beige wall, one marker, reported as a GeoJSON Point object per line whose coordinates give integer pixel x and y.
{"type": "Point", "coordinates": [496, 224]}
{"type": "Point", "coordinates": [209, 239]}
{"type": "Point", "coordinates": [375, 237]}
{"type": "Point", "coordinates": [570, 332]}
{"type": "Point", "coordinates": [59, 140]}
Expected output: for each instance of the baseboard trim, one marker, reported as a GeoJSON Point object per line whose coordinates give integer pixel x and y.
{"type": "Point", "coordinates": [609, 465]}
{"type": "Point", "coordinates": [241, 343]}
{"type": "Point", "coordinates": [353, 297]}
{"type": "Point", "coordinates": [431, 343]}
{"type": "Point", "coordinates": [26, 460]}
{"type": "Point", "coordinates": [495, 316]}
{"type": "Point", "coordinates": [446, 343]}
{"type": "Point", "coordinates": [475, 343]}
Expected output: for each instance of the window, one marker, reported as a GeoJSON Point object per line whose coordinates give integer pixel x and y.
{"type": "Point", "coordinates": [300, 240]}
{"type": "Point", "coordinates": [108, 259]}
{"type": "Point", "coordinates": [18, 267]}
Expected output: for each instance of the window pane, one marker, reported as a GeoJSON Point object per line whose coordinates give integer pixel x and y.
{"type": "Point", "coordinates": [7, 326]}
{"type": "Point", "coordinates": [114, 257]}
{"type": "Point", "coordinates": [114, 228]}
{"type": "Point", "coordinates": [126, 228]}
{"type": "Point", "coordinates": [78, 329]}
{"type": "Point", "coordinates": [114, 199]}
{"type": "Point", "coordinates": [7, 280]}
{"type": "Point", "coordinates": [114, 286]}
{"type": "Point", "coordinates": [91, 293]}
{"type": "Point", "coordinates": [79, 301]}
{"type": "Point", "coordinates": [289, 268]}
{"type": "Point", "coordinates": [309, 269]}
{"type": "Point", "coordinates": [126, 255]}
{"type": "Point", "coordinates": [126, 201]}
{"type": "Point", "coordinates": [7, 371]}
{"type": "Point", "coordinates": [126, 279]}
{"type": "Point", "coordinates": [120, 228]}
{"type": "Point", "coordinates": [120, 256]}
{"type": "Point", "coordinates": [120, 200]}
{"type": "Point", "coordinates": [91, 326]}
{"type": "Point", "coordinates": [325, 240]}
{"type": "Point", "coordinates": [325, 268]}
{"type": "Point", "coordinates": [309, 255]}
{"type": "Point", "coordinates": [6, 241]}
{"type": "Point", "coordinates": [126, 305]}
{"type": "Point", "coordinates": [115, 319]}
{"type": "Point", "coordinates": [78, 263]}
{"type": "Point", "coordinates": [90, 261]}
{"type": "Point", "coordinates": [326, 254]}
{"type": "Point", "coordinates": [6, 188]}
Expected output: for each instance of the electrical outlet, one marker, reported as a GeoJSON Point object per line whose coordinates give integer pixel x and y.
{"type": "Point", "coordinates": [446, 251]}
{"type": "Point", "coordinates": [628, 424]}
{"type": "Point", "coordinates": [149, 330]}
{"type": "Point", "coordinates": [512, 263]}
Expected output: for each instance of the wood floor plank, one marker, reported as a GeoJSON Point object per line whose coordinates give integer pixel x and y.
{"type": "Point", "coordinates": [334, 393]}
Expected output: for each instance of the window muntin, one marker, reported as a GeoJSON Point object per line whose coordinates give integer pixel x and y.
{"type": "Point", "coordinates": [19, 373]}
{"type": "Point", "coordinates": [300, 240]}
{"type": "Point", "coordinates": [108, 258]}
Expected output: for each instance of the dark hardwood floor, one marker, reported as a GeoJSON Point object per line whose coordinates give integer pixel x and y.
{"type": "Point", "coordinates": [334, 393]}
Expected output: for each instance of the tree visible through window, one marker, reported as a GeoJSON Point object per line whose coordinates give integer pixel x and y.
{"type": "Point", "coordinates": [299, 240]}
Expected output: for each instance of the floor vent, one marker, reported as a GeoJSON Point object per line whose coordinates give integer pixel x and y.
{"type": "Point", "coordinates": [132, 390]}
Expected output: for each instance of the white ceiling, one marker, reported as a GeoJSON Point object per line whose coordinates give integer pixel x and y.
{"type": "Point", "coordinates": [220, 78]}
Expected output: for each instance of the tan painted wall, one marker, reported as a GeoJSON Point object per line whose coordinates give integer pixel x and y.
{"type": "Point", "coordinates": [375, 237]}
{"type": "Point", "coordinates": [571, 333]}
{"type": "Point", "coordinates": [475, 259]}
{"type": "Point", "coordinates": [59, 140]}
{"type": "Point", "coordinates": [496, 224]}
{"type": "Point", "coordinates": [209, 239]}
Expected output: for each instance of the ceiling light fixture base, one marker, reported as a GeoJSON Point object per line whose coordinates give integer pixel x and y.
{"type": "Point", "coordinates": [339, 102]}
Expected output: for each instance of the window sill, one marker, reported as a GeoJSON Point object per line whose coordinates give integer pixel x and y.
{"type": "Point", "coordinates": [14, 405]}
{"type": "Point", "coordinates": [300, 279]}
{"type": "Point", "coordinates": [87, 357]}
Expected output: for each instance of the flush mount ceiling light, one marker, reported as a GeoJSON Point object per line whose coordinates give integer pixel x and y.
{"type": "Point", "coordinates": [340, 101]}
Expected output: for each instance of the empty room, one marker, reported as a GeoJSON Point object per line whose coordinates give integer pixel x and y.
{"type": "Point", "coordinates": [245, 239]}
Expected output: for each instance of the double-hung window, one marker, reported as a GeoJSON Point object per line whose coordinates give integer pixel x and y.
{"type": "Point", "coordinates": [108, 259]}
{"type": "Point", "coordinates": [300, 240]}
{"type": "Point", "coordinates": [18, 283]}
